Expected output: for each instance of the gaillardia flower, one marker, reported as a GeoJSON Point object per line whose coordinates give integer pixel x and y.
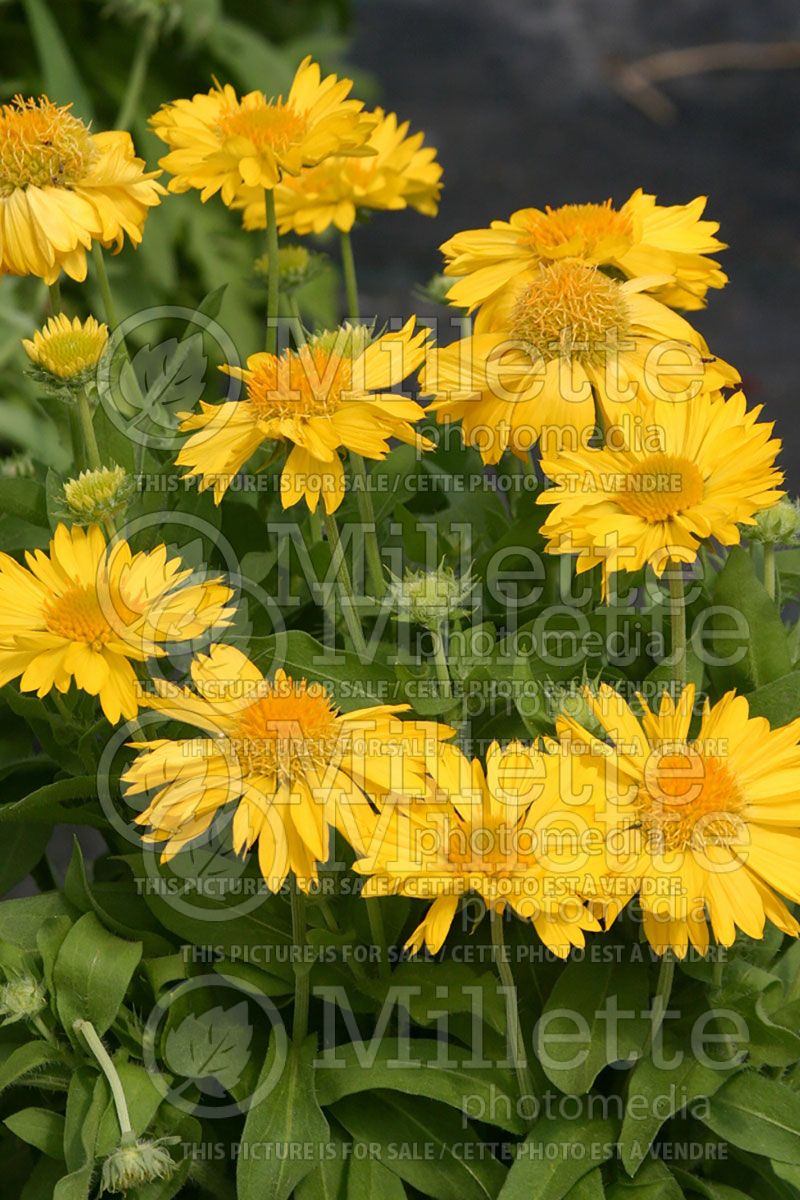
{"type": "Point", "coordinates": [401, 173]}
{"type": "Point", "coordinates": [329, 394]}
{"type": "Point", "coordinates": [222, 143]}
{"type": "Point", "coordinates": [504, 834]}
{"type": "Point", "coordinates": [63, 187]}
{"type": "Point", "coordinates": [67, 349]}
{"type": "Point", "coordinates": [280, 753]}
{"type": "Point", "coordinates": [87, 610]}
{"type": "Point", "coordinates": [563, 342]}
{"type": "Point", "coordinates": [711, 466]}
{"type": "Point", "coordinates": [641, 238]}
{"type": "Point", "coordinates": [698, 827]}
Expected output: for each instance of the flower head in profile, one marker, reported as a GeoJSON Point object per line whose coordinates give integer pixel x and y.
{"type": "Point", "coordinates": [506, 834]}
{"type": "Point", "coordinates": [222, 143]}
{"type": "Point", "coordinates": [700, 827]}
{"type": "Point", "coordinates": [87, 610]}
{"type": "Point", "coordinates": [280, 753]}
{"type": "Point", "coordinates": [63, 187]}
{"type": "Point", "coordinates": [642, 238]}
{"type": "Point", "coordinates": [329, 395]}
{"type": "Point", "coordinates": [400, 173]}
{"type": "Point", "coordinates": [564, 340]}
{"type": "Point", "coordinates": [710, 467]}
{"type": "Point", "coordinates": [67, 350]}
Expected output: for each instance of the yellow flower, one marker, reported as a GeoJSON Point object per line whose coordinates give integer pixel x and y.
{"type": "Point", "coordinates": [401, 173]}
{"type": "Point", "coordinates": [562, 340]}
{"type": "Point", "coordinates": [505, 834]}
{"type": "Point", "coordinates": [222, 143]}
{"type": "Point", "coordinates": [63, 187]}
{"type": "Point", "coordinates": [86, 610]}
{"type": "Point", "coordinates": [329, 394]}
{"type": "Point", "coordinates": [704, 468]}
{"type": "Point", "coordinates": [279, 751]}
{"type": "Point", "coordinates": [67, 348]}
{"type": "Point", "coordinates": [641, 238]}
{"type": "Point", "coordinates": [705, 825]}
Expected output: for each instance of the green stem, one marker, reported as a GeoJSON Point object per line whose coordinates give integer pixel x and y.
{"type": "Point", "coordinates": [273, 276]}
{"type": "Point", "coordinates": [302, 975]}
{"type": "Point", "coordinates": [677, 617]}
{"type": "Point", "coordinates": [349, 272]}
{"type": "Point", "coordinates": [87, 1030]}
{"type": "Point", "coordinates": [516, 1037]}
{"type": "Point", "coordinates": [54, 290]}
{"type": "Point", "coordinates": [87, 428]}
{"type": "Point", "coordinates": [366, 513]}
{"type": "Point", "coordinates": [40, 1026]}
{"type": "Point", "coordinates": [377, 931]}
{"type": "Point", "coordinates": [138, 73]}
{"type": "Point", "coordinates": [666, 974]}
{"type": "Point", "coordinates": [109, 307]}
{"type": "Point", "coordinates": [348, 599]}
{"type": "Point", "coordinates": [719, 966]}
{"type": "Point", "coordinates": [770, 574]}
{"type": "Point", "coordinates": [299, 332]}
{"type": "Point", "coordinates": [442, 671]}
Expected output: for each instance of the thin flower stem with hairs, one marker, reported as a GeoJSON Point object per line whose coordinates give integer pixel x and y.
{"type": "Point", "coordinates": [515, 1034]}
{"type": "Point", "coordinates": [348, 598]}
{"type": "Point", "coordinates": [273, 273]}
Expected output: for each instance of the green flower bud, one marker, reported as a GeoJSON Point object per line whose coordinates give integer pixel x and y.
{"type": "Point", "coordinates": [21, 999]}
{"type": "Point", "coordinates": [776, 526]}
{"type": "Point", "coordinates": [436, 289]}
{"type": "Point", "coordinates": [432, 598]}
{"type": "Point", "coordinates": [96, 495]}
{"type": "Point", "coordinates": [569, 700]}
{"type": "Point", "coordinates": [297, 266]}
{"type": "Point", "coordinates": [136, 1163]}
{"type": "Point", "coordinates": [348, 340]}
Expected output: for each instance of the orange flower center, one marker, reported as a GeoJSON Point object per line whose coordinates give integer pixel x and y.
{"type": "Point", "coordinates": [77, 616]}
{"type": "Point", "coordinates": [689, 800]}
{"type": "Point", "coordinates": [662, 486]}
{"type": "Point", "coordinates": [42, 145]}
{"type": "Point", "coordinates": [269, 125]}
{"type": "Point", "coordinates": [582, 228]}
{"type": "Point", "coordinates": [571, 311]}
{"type": "Point", "coordinates": [289, 730]}
{"type": "Point", "coordinates": [311, 382]}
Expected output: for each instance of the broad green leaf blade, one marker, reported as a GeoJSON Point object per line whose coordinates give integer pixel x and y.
{"type": "Point", "coordinates": [759, 1115]}
{"type": "Point", "coordinates": [91, 975]}
{"type": "Point", "coordinates": [748, 639]}
{"type": "Point", "coordinates": [39, 1127]}
{"type": "Point", "coordinates": [25, 1060]}
{"type": "Point", "coordinates": [582, 1146]}
{"type": "Point", "coordinates": [653, 1181]}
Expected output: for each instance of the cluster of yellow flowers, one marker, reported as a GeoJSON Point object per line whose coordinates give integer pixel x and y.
{"type": "Point", "coordinates": [576, 345]}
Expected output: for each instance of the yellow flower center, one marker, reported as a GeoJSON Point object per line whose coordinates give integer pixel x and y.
{"type": "Point", "coordinates": [269, 125]}
{"type": "Point", "coordinates": [288, 731]}
{"type": "Point", "coordinates": [662, 486]}
{"type": "Point", "coordinates": [42, 145]}
{"type": "Point", "coordinates": [689, 800]}
{"type": "Point", "coordinates": [311, 382]}
{"type": "Point", "coordinates": [77, 616]}
{"type": "Point", "coordinates": [571, 311]}
{"type": "Point", "coordinates": [581, 227]}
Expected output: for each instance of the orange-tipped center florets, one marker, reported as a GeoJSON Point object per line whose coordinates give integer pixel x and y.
{"type": "Point", "coordinates": [689, 800]}
{"type": "Point", "coordinates": [269, 125]}
{"type": "Point", "coordinates": [42, 145]}
{"type": "Point", "coordinates": [571, 310]}
{"type": "Point", "coordinates": [582, 228]}
{"type": "Point", "coordinates": [661, 487]}
{"type": "Point", "coordinates": [290, 729]}
{"type": "Point", "coordinates": [78, 617]}
{"type": "Point", "coordinates": [311, 382]}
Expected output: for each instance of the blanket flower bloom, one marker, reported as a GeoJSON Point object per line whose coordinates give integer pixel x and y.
{"type": "Point", "coordinates": [562, 343]}
{"type": "Point", "coordinates": [329, 394]}
{"type": "Point", "coordinates": [639, 239]}
{"type": "Point", "coordinates": [401, 173]}
{"type": "Point", "coordinates": [67, 349]}
{"type": "Point", "coordinates": [281, 753]}
{"type": "Point", "coordinates": [710, 467]}
{"type": "Point", "coordinates": [63, 187]}
{"type": "Point", "coordinates": [87, 610]}
{"type": "Point", "coordinates": [503, 833]}
{"type": "Point", "coordinates": [222, 143]}
{"type": "Point", "coordinates": [705, 827]}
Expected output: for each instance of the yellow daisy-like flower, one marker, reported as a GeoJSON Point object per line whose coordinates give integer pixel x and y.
{"type": "Point", "coordinates": [330, 394]}
{"type": "Point", "coordinates": [639, 239]}
{"type": "Point", "coordinates": [67, 348]}
{"type": "Point", "coordinates": [63, 187]}
{"type": "Point", "coordinates": [402, 173]}
{"type": "Point", "coordinates": [222, 143]}
{"type": "Point", "coordinates": [86, 611]}
{"type": "Point", "coordinates": [705, 468]}
{"type": "Point", "coordinates": [563, 340]}
{"type": "Point", "coordinates": [281, 752]}
{"type": "Point", "coordinates": [696, 826]}
{"type": "Point", "coordinates": [504, 834]}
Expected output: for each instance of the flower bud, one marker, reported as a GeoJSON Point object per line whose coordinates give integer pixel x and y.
{"type": "Point", "coordinates": [297, 266]}
{"type": "Point", "coordinates": [97, 495]}
{"type": "Point", "coordinates": [136, 1163]}
{"type": "Point", "coordinates": [21, 998]}
{"type": "Point", "coordinates": [432, 598]}
{"type": "Point", "coordinates": [66, 352]}
{"type": "Point", "coordinates": [776, 526]}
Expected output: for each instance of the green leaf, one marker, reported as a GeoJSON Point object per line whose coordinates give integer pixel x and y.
{"type": "Point", "coordinates": [62, 80]}
{"type": "Point", "coordinates": [588, 1188]}
{"type": "Point", "coordinates": [778, 701]}
{"type": "Point", "coordinates": [86, 897]}
{"type": "Point", "coordinates": [353, 683]}
{"type": "Point", "coordinates": [582, 1029]}
{"type": "Point", "coordinates": [24, 498]}
{"type": "Point", "coordinates": [486, 1093]}
{"type": "Point", "coordinates": [39, 1127]}
{"type": "Point", "coordinates": [539, 1174]}
{"type": "Point", "coordinates": [25, 1060]}
{"type": "Point", "coordinates": [653, 1182]}
{"type": "Point", "coordinates": [749, 639]}
{"type": "Point", "coordinates": [369, 1179]}
{"type": "Point", "coordinates": [51, 803]}
{"type": "Point", "coordinates": [143, 1098]}
{"type": "Point", "coordinates": [288, 1117]}
{"type": "Point", "coordinates": [92, 974]}
{"type": "Point", "coordinates": [20, 920]}
{"type": "Point", "coordinates": [23, 846]}
{"type": "Point", "coordinates": [212, 1044]}
{"type": "Point", "coordinates": [656, 1093]}
{"type": "Point", "coordinates": [437, 1155]}
{"type": "Point", "coordinates": [759, 1115]}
